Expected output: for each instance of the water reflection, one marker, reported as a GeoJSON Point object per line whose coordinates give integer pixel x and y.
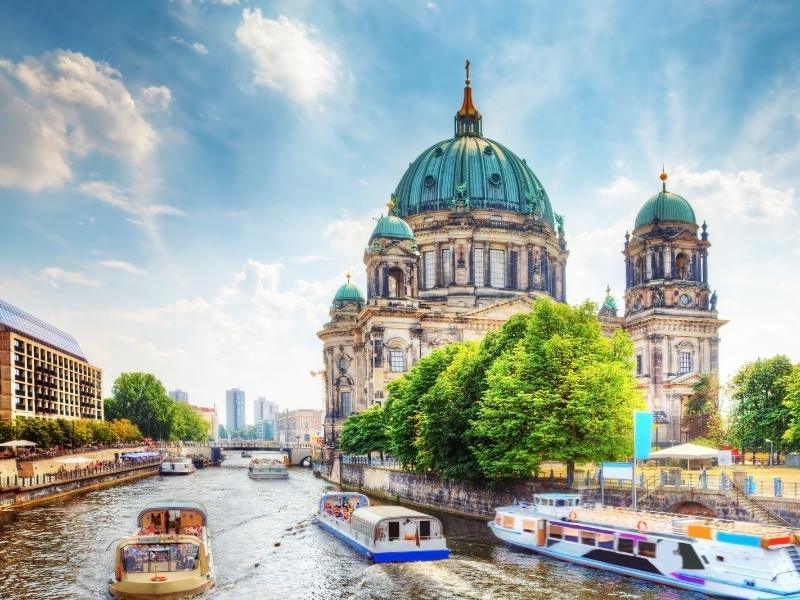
{"type": "Point", "coordinates": [266, 546]}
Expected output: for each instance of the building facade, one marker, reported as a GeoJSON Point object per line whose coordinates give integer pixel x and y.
{"type": "Point", "coordinates": [234, 410]}
{"type": "Point", "coordinates": [44, 372]}
{"type": "Point", "coordinates": [179, 396]}
{"type": "Point", "coordinates": [470, 239]}
{"type": "Point", "coordinates": [300, 426]}
{"type": "Point", "coordinates": [209, 415]}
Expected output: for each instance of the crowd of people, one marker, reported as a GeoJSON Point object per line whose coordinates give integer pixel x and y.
{"type": "Point", "coordinates": [27, 454]}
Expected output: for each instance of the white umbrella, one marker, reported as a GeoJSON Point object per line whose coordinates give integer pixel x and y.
{"type": "Point", "coordinates": [17, 443]}
{"type": "Point", "coordinates": [74, 460]}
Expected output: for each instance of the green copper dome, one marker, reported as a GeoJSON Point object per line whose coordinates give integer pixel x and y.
{"type": "Point", "coordinates": [394, 227]}
{"type": "Point", "coordinates": [472, 171]}
{"type": "Point", "coordinates": [347, 292]}
{"type": "Point", "coordinates": [487, 175]}
{"type": "Point", "coordinates": [665, 206]}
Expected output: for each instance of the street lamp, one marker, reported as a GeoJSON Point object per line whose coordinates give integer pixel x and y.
{"type": "Point", "coordinates": [769, 461]}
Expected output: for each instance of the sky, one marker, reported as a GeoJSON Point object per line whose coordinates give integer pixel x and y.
{"type": "Point", "coordinates": [184, 184]}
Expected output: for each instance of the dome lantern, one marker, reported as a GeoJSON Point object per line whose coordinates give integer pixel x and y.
{"type": "Point", "coordinates": [665, 206]}
{"type": "Point", "coordinates": [468, 119]}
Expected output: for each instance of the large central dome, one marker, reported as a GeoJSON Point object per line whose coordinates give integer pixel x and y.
{"type": "Point", "coordinates": [495, 178]}
{"type": "Point", "coordinates": [471, 168]}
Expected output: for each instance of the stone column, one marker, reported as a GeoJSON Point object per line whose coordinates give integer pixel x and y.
{"type": "Point", "coordinates": [452, 262]}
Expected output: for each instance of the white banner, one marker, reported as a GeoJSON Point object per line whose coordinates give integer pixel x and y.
{"type": "Point", "coordinates": [725, 458]}
{"type": "Point", "coordinates": [618, 471]}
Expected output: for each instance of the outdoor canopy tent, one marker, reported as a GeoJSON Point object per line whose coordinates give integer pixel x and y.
{"type": "Point", "coordinates": [17, 444]}
{"type": "Point", "coordinates": [687, 452]}
{"type": "Point", "coordinates": [74, 460]}
{"type": "Point", "coordinates": [141, 454]}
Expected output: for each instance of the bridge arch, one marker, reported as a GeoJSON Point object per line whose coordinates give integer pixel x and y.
{"type": "Point", "coordinates": [305, 461]}
{"type": "Point", "coordinates": [691, 508]}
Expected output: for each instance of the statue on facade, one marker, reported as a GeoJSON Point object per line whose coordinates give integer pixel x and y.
{"type": "Point", "coordinates": [534, 207]}
{"type": "Point", "coordinates": [560, 222]}
{"type": "Point", "coordinates": [713, 301]}
{"type": "Point", "coordinates": [461, 200]}
{"type": "Point", "coordinates": [658, 297]}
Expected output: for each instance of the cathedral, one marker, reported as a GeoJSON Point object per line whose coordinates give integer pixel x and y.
{"type": "Point", "coordinates": [470, 238]}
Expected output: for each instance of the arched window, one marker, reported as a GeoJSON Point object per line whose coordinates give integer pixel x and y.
{"type": "Point", "coordinates": [685, 358]}
{"type": "Point", "coordinates": [396, 280]}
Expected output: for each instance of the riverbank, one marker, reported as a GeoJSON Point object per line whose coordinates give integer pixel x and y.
{"type": "Point", "coordinates": [21, 496]}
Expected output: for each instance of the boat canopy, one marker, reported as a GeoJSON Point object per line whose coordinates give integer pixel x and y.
{"type": "Point", "coordinates": [557, 499]}
{"type": "Point", "coordinates": [343, 498]}
{"type": "Point", "coordinates": [141, 454]}
{"type": "Point", "coordinates": [173, 505]}
{"type": "Point", "coordinates": [372, 515]}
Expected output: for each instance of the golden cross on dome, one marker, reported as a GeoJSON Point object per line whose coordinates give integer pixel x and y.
{"type": "Point", "coordinates": [348, 275]}
{"type": "Point", "coordinates": [466, 68]}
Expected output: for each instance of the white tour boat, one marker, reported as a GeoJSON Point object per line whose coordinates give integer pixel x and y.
{"type": "Point", "coordinates": [730, 559]}
{"type": "Point", "coordinates": [167, 557]}
{"type": "Point", "coordinates": [177, 466]}
{"type": "Point", "coordinates": [267, 468]}
{"type": "Point", "coordinates": [382, 533]}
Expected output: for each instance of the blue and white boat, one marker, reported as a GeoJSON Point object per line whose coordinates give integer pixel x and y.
{"type": "Point", "coordinates": [381, 533]}
{"type": "Point", "coordinates": [729, 559]}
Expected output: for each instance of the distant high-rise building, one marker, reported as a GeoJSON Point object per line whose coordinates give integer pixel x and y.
{"type": "Point", "coordinates": [266, 411]}
{"type": "Point", "coordinates": [259, 405]}
{"type": "Point", "coordinates": [234, 410]}
{"type": "Point", "coordinates": [179, 396]}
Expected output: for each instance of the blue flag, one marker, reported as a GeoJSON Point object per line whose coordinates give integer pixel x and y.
{"type": "Point", "coordinates": [642, 433]}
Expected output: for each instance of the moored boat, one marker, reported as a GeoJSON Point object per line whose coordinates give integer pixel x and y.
{"type": "Point", "coordinates": [730, 559]}
{"type": "Point", "coordinates": [177, 466]}
{"type": "Point", "coordinates": [168, 556]}
{"type": "Point", "coordinates": [263, 468]}
{"type": "Point", "coordinates": [381, 533]}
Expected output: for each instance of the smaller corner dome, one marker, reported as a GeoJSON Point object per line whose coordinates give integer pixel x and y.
{"type": "Point", "coordinates": [347, 292]}
{"type": "Point", "coordinates": [666, 206]}
{"type": "Point", "coordinates": [391, 226]}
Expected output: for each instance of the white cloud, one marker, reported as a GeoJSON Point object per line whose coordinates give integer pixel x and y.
{"type": "Point", "coordinates": [347, 236]}
{"type": "Point", "coordinates": [122, 266]}
{"type": "Point", "coordinates": [61, 106]}
{"type": "Point", "coordinates": [742, 195]}
{"type": "Point", "coordinates": [307, 259]}
{"type": "Point", "coordinates": [196, 46]}
{"type": "Point", "coordinates": [110, 194]}
{"type": "Point", "coordinates": [56, 276]}
{"type": "Point", "coordinates": [156, 97]}
{"type": "Point", "coordinates": [288, 58]}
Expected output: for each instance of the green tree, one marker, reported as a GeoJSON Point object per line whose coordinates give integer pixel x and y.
{"type": "Point", "coordinates": [365, 432]}
{"type": "Point", "coordinates": [563, 391]}
{"type": "Point", "coordinates": [141, 397]}
{"type": "Point", "coordinates": [791, 385]}
{"type": "Point", "coordinates": [402, 406]}
{"type": "Point", "coordinates": [125, 431]}
{"type": "Point", "coordinates": [758, 391]}
{"type": "Point", "coordinates": [187, 425]}
{"type": "Point", "coordinates": [701, 411]}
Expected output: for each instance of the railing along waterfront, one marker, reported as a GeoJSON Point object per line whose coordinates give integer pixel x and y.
{"type": "Point", "coordinates": [16, 482]}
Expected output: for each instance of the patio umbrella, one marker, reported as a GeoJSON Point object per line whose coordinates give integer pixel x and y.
{"type": "Point", "coordinates": [686, 451]}
{"type": "Point", "coordinates": [74, 460]}
{"type": "Point", "coordinates": [17, 443]}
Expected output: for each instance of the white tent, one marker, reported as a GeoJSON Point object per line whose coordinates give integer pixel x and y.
{"type": "Point", "coordinates": [74, 460]}
{"type": "Point", "coordinates": [687, 452]}
{"type": "Point", "coordinates": [17, 444]}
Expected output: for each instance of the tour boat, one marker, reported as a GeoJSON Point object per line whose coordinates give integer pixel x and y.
{"type": "Point", "coordinates": [263, 468]}
{"type": "Point", "coordinates": [729, 559]}
{"type": "Point", "coordinates": [381, 533]}
{"type": "Point", "coordinates": [167, 557]}
{"type": "Point", "coordinates": [246, 454]}
{"type": "Point", "coordinates": [177, 466]}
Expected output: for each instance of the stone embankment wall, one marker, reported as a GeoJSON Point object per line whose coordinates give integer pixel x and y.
{"type": "Point", "coordinates": [24, 496]}
{"type": "Point", "coordinates": [480, 501]}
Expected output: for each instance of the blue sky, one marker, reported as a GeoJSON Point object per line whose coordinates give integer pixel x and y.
{"type": "Point", "coordinates": [184, 183]}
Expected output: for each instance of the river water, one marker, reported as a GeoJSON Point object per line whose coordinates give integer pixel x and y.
{"type": "Point", "coordinates": [266, 546]}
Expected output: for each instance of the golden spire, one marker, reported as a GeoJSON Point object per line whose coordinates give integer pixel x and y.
{"type": "Point", "coordinates": [467, 107]}
{"type": "Point", "coordinates": [663, 178]}
{"type": "Point", "coordinates": [348, 275]}
{"type": "Point", "coordinates": [390, 205]}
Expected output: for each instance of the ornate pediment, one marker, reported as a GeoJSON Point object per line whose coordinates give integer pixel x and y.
{"type": "Point", "coordinates": [500, 311]}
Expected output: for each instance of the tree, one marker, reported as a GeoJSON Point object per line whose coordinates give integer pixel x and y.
{"type": "Point", "coordinates": [125, 431]}
{"type": "Point", "coordinates": [563, 391]}
{"type": "Point", "coordinates": [365, 432]}
{"type": "Point", "coordinates": [141, 397]}
{"type": "Point", "coordinates": [758, 392]}
{"type": "Point", "coordinates": [402, 406]}
{"type": "Point", "coordinates": [223, 435]}
{"type": "Point", "coordinates": [701, 411]}
{"type": "Point", "coordinates": [791, 385]}
{"type": "Point", "coordinates": [187, 425]}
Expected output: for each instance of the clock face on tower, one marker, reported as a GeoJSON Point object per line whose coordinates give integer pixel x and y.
{"type": "Point", "coordinates": [685, 300]}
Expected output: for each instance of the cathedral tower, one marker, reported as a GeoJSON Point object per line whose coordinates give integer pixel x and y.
{"type": "Point", "coordinates": [670, 310]}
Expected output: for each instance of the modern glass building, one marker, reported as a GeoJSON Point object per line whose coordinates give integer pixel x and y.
{"type": "Point", "coordinates": [234, 410]}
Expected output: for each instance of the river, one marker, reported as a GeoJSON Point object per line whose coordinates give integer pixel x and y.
{"type": "Point", "coordinates": [266, 546]}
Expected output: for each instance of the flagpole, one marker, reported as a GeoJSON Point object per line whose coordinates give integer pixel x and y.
{"type": "Point", "coordinates": [633, 483]}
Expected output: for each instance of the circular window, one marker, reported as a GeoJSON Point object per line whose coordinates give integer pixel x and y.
{"type": "Point", "coordinates": [429, 181]}
{"type": "Point", "coordinates": [495, 179]}
{"type": "Point", "coordinates": [487, 150]}
{"type": "Point", "coordinates": [438, 152]}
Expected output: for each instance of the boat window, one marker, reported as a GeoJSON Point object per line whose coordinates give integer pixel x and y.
{"type": "Point", "coordinates": [560, 502]}
{"type": "Point", "coordinates": [498, 519]}
{"type": "Point", "coordinates": [149, 558]}
{"type": "Point", "coordinates": [689, 556]}
{"type": "Point", "coordinates": [425, 530]}
{"type": "Point", "coordinates": [556, 532]}
{"type": "Point", "coordinates": [528, 525]}
{"type": "Point", "coordinates": [394, 530]}
{"type": "Point", "coordinates": [721, 558]}
{"type": "Point", "coordinates": [705, 560]}
{"type": "Point", "coordinates": [647, 549]}
{"type": "Point", "coordinates": [587, 538]}
{"type": "Point", "coordinates": [625, 545]}
{"type": "Point", "coordinates": [508, 522]}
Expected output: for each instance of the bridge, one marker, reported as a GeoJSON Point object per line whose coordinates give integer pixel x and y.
{"type": "Point", "coordinates": [299, 454]}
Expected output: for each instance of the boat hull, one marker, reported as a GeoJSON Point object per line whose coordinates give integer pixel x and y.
{"type": "Point", "coordinates": [176, 472]}
{"type": "Point", "coordinates": [704, 586]}
{"type": "Point", "coordinates": [268, 475]}
{"type": "Point", "coordinates": [167, 590]}
{"type": "Point", "coordinates": [387, 556]}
